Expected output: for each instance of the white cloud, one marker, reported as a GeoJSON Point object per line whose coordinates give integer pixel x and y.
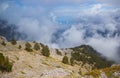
{"type": "Point", "coordinates": [38, 22]}
{"type": "Point", "coordinates": [107, 46]}
{"type": "Point", "coordinates": [111, 2]}
{"type": "Point", "coordinates": [95, 19]}
{"type": "Point", "coordinates": [42, 32]}
{"type": "Point", "coordinates": [29, 26]}
{"type": "Point", "coordinates": [96, 9]}
{"type": "Point", "coordinates": [71, 37]}
{"type": "Point", "coordinates": [3, 6]}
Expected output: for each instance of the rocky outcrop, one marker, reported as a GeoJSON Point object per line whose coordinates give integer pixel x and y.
{"type": "Point", "coordinates": [56, 73]}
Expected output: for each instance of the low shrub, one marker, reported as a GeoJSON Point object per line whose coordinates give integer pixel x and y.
{"type": "Point", "coordinates": [58, 52]}
{"type": "Point", "coordinates": [28, 47]}
{"type": "Point", "coordinates": [5, 64]}
{"type": "Point", "coordinates": [13, 41]}
{"type": "Point", "coordinates": [72, 61]}
{"type": "Point", "coordinates": [3, 43]}
{"type": "Point", "coordinates": [20, 47]}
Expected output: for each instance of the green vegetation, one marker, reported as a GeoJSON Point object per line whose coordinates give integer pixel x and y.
{"type": "Point", "coordinates": [58, 66]}
{"type": "Point", "coordinates": [13, 41]}
{"type": "Point", "coordinates": [65, 60]}
{"type": "Point", "coordinates": [22, 72]}
{"type": "Point", "coordinates": [72, 61]}
{"type": "Point", "coordinates": [5, 65]}
{"type": "Point", "coordinates": [94, 73]}
{"type": "Point", "coordinates": [108, 71]}
{"type": "Point", "coordinates": [30, 66]}
{"type": "Point", "coordinates": [87, 54]}
{"type": "Point", "coordinates": [42, 45]}
{"type": "Point", "coordinates": [3, 43]}
{"type": "Point", "coordinates": [36, 46]}
{"type": "Point", "coordinates": [20, 47]}
{"type": "Point", "coordinates": [45, 51]}
{"type": "Point", "coordinates": [45, 63]}
{"type": "Point", "coordinates": [58, 52]}
{"type": "Point", "coordinates": [28, 47]}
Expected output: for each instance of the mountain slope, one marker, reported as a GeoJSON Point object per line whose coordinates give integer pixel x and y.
{"type": "Point", "coordinates": [32, 64]}
{"type": "Point", "coordinates": [87, 54]}
{"type": "Point", "coordinates": [111, 72]}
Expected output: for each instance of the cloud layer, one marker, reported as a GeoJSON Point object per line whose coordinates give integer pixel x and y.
{"type": "Point", "coordinates": [68, 23]}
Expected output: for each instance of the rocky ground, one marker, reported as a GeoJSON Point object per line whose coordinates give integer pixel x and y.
{"type": "Point", "coordinates": [35, 65]}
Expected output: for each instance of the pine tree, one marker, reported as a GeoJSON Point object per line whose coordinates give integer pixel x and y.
{"type": "Point", "coordinates": [46, 51]}
{"type": "Point", "coordinates": [20, 47]}
{"type": "Point", "coordinates": [13, 41]}
{"type": "Point", "coordinates": [28, 47]}
{"type": "Point", "coordinates": [36, 46]}
{"type": "Point", "coordinates": [65, 60]}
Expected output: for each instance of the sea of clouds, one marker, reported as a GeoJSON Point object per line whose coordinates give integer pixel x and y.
{"type": "Point", "coordinates": [67, 23]}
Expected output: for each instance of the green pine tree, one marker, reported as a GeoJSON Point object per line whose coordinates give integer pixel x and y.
{"type": "Point", "coordinates": [20, 47]}
{"type": "Point", "coordinates": [65, 60]}
{"type": "Point", "coordinates": [13, 41]}
{"type": "Point", "coordinates": [36, 46]}
{"type": "Point", "coordinates": [46, 51]}
{"type": "Point", "coordinates": [28, 47]}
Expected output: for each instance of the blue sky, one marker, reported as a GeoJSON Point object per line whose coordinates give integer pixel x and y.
{"type": "Point", "coordinates": [62, 9]}
{"type": "Point", "coordinates": [67, 23]}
